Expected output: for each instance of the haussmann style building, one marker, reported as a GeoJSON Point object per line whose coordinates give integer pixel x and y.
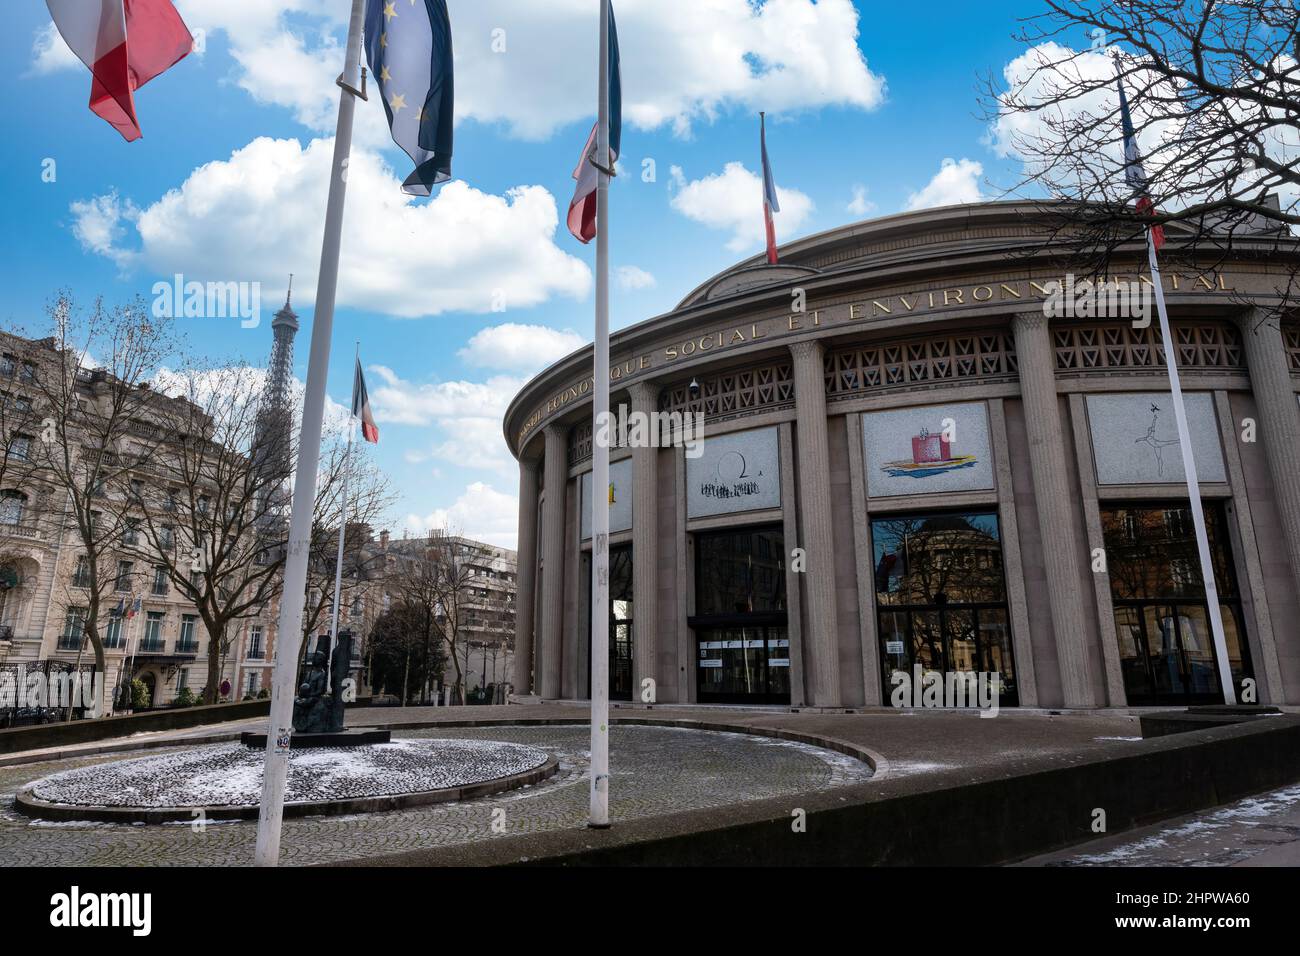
{"type": "Point", "coordinates": [920, 467]}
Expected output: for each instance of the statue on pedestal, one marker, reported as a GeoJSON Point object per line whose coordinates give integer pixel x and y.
{"type": "Point", "coordinates": [316, 710]}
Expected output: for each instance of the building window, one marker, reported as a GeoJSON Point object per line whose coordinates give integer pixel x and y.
{"type": "Point", "coordinates": [74, 629]}
{"type": "Point", "coordinates": [253, 680]}
{"type": "Point", "coordinates": [182, 679]}
{"type": "Point", "coordinates": [11, 507]}
{"type": "Point", "coordinates": [188, 643]}
{"type": "Point", "coordinates": [81, 575]}
{"type": "Point", "coordinates": [166, 537]}
{"type": "Point", "coordinates": [204, 503]}
{"type": "Point", "coordinates": [8, 365]}
{"type": "Point", "coordinates": [255, 642]}
{"type": "Point", "coordinates": [124, 569]}
{"type": "Point", "coordinates": [20, 447]}
{"type": "Point", "coordinates": [113, 632]}
{"type": "Point", "coordinates": [1166, 647]}
{"type": "Point", "coordinates": [159, 580]}
{"type": "Point", "coordinates": [153, 639]}
{"type": "Point", "coordinates": [740, 622]}
{"type": "Point", "coordinates": [27, 372]}
{"type": "Point", "coordinates": [137, 491]}
{"type": "Point", "coordinates": [620, 621]}
{"type": "Point", "coordinates": [941, 598]}
{"type": "Point", "coordinates": [131, 532]}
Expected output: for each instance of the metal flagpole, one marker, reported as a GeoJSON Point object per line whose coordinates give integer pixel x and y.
{"type": "Point", "coordinates": [599, 815]}
{"type": "Point", "coordinates": [289, 628]}
{"type": "Point", "coordinates": [1193, 484]}
{"type": "Point", "coordinates": [343, 515]}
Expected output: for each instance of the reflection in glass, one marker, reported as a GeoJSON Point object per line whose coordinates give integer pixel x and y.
{"type": "Point", "coordinates": [1166, 645]}
{"type": "Point", "coordinates": [941, 595]}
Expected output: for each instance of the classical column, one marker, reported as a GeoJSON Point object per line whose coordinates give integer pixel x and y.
{"type": "Point", "coordinates": [1279, 422]}
{"type": "Point", "coordinates": [551, 646]}
{"type": "Point", "coordinates": [821, 639]}
{"type": "Point", "coordinates": [526, 576]}
{"type": "Point", "coordinates": [645, 544]}
{"type": "Point", "coordinates": [1054, 498]}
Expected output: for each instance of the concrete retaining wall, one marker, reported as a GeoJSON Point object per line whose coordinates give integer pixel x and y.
{"type": "Point", "coordinates": [17, 739]}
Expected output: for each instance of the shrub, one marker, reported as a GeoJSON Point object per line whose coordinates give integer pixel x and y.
{"type": "Point", "coordinates": [186, 698]}
{"type": "Point", "coordinates": [139, 695]}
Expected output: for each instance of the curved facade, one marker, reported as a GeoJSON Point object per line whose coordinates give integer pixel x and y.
{"type": "Point", "coordinates": [906, 463]}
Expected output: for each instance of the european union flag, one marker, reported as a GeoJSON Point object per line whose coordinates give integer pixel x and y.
{"type": "Point", "coordinates": [408, 47]}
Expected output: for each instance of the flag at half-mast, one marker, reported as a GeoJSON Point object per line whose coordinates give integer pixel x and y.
{"type": "Point", "coordinates": [361, 407]}
{"type": "Point", "coordinates": [582, 210]}
{"type": "Point", "coordinates": [770, 203]}
{"type": "Point", "coordinates": [1134, 174]}
{"type": "Point", "coordinates": [408, 47]}
{"type": "Point", "coordinates": [125, 44]}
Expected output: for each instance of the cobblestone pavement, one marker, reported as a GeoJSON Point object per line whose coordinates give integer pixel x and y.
{"type": "Point", "coordinates": [656, 770]}
{"type": "Point", "coordinates": [1263, 830]}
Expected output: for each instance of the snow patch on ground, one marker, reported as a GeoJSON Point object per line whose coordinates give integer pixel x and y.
{"type": "Point", "coordinates": [231, 774]}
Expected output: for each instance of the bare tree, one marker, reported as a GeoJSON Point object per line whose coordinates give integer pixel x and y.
{"type": "Point", "coordinates": [1214, 91]}
{"type": "Point", "coordinates": [214, 513]}
{"type": "Point", "coordinates": [369, 496]}
{"type": "Point", "coordinates": [95, 406]}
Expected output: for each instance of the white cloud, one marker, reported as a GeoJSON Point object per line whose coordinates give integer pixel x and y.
{"type": "Point", "coordinates": [1090, 114]}
{"type": "Point", "coordinates": [99, 225]}
{"type": "Point", "coordinates": [406, 403]}
{"type": "Point", "coordinates": [860, 205]}
{"type": "Point", "coordinates": [481, 512]}
{"type": "Point", "coordinates": [733, 200]}
{"type": "Point", "coordinates": [632, 277]}
{"type": "Point", "coordinates": [519, 348]}
{"type": "Point", "coordinates": [957, 181]}
{"type": "Point", "coordinates": [50, 54]}
{"type": "Point", "coordinates": [463, 250]}
{"type": "Point", "coordinates": [682, 60]}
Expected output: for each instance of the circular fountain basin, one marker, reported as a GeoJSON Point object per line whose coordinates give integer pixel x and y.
{"type": "Point", "coordinates": [224, 781]}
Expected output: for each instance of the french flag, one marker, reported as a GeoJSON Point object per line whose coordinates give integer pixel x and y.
{"type": "Point", "coordinates": [125, 43]}
{"type": "Point", "coordinates": [361, 408]}
{"type": "Point", "coordinates": [582, 210]}
{"type": "Point", "coordinates": [1134, 174]}
{"type": "Point", "coordinates": [770, 203]}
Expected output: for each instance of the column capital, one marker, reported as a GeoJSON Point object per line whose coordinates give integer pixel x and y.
{"type": "Point", "coordinates": [808, 349]}
{"type": "Point", "coordinates": [644, 396]}
{"type": "Point", "coordinates": [1029, 321]}
{"type": "Point", "coordinates": [1254, 321]}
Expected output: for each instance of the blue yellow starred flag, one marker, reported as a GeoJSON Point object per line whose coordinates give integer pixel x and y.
{"type": "Point", "coordinates": [408, 47]}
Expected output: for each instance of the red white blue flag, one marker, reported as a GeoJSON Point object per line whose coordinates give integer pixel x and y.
{"type": "Point", "coordinates": [1134, 174]}
{"type": "Point", "coordinates": [582, 210]}
{"type": "Point", "coordinates": [125, 43]}
{"type": "Point", "coordinates": [361, 408]}
{"type": "Point", "coordinates": [770, 203]}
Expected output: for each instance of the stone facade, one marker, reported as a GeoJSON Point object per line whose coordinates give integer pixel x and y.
{"type": "Point", "coordinates": [923, 311]}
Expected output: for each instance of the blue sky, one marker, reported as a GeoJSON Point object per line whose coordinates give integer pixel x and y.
{"type": "Point", "coordinates": [223, 186]}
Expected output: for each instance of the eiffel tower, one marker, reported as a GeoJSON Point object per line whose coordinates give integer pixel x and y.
{"type": "Point", "coordinates": [272, 441]}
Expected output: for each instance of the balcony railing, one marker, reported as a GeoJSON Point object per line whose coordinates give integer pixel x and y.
{"type": "Point", "coordinates": [6, 632]}
{"type": "Point", "coordinates": [69, 643]}
{"type": "Point", "coordinates": [153, 645]}
{"type": "Point", "coordinates": [187, 647]}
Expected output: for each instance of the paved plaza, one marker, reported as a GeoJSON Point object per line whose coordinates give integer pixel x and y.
{"type": "Point", "coordinates": [657, 770]}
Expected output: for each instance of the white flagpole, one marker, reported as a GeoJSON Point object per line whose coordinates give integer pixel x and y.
{"type": "Point", "coordinates": [1193, 484]}
{"type": "Point", "coordinates": [343, 514]}
{"type": "Point", "coordinates": [599, 815]}
{"type": "Point", "coordinates": [289, 628]}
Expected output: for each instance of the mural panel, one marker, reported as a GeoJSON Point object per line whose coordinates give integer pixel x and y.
{"type": "Point", "coordinates": [737, 472]}
{"type": "Point", "coordinates": [930, 448]}
{"type": "Point", "coordinates": [1135, 438]}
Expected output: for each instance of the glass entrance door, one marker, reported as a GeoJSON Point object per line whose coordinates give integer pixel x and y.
{"type": "Point", "coordinates": [739, 664]}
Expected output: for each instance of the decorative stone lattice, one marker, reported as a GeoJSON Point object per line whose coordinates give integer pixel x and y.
{"type": "Point", "coordinates": [918, 362]}
{"type": "Point", "coordinates": [231, 774]}
{"type": "Point", "coordinates": [1100, 348]}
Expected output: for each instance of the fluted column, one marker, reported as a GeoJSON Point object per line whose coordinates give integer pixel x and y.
{"type": "Point", "coordinates": [551, 647]}
{"type": "Point", "coordinates": [1054, 496]}
{"type": "Point", "coordinates": [1279, 422]}
{"type": "Point", "coordinates": [645, 544]}
{"type": "Point", "coordinates": [821, 659]}
{"type": "Point", "coordinates": [526, 577]}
